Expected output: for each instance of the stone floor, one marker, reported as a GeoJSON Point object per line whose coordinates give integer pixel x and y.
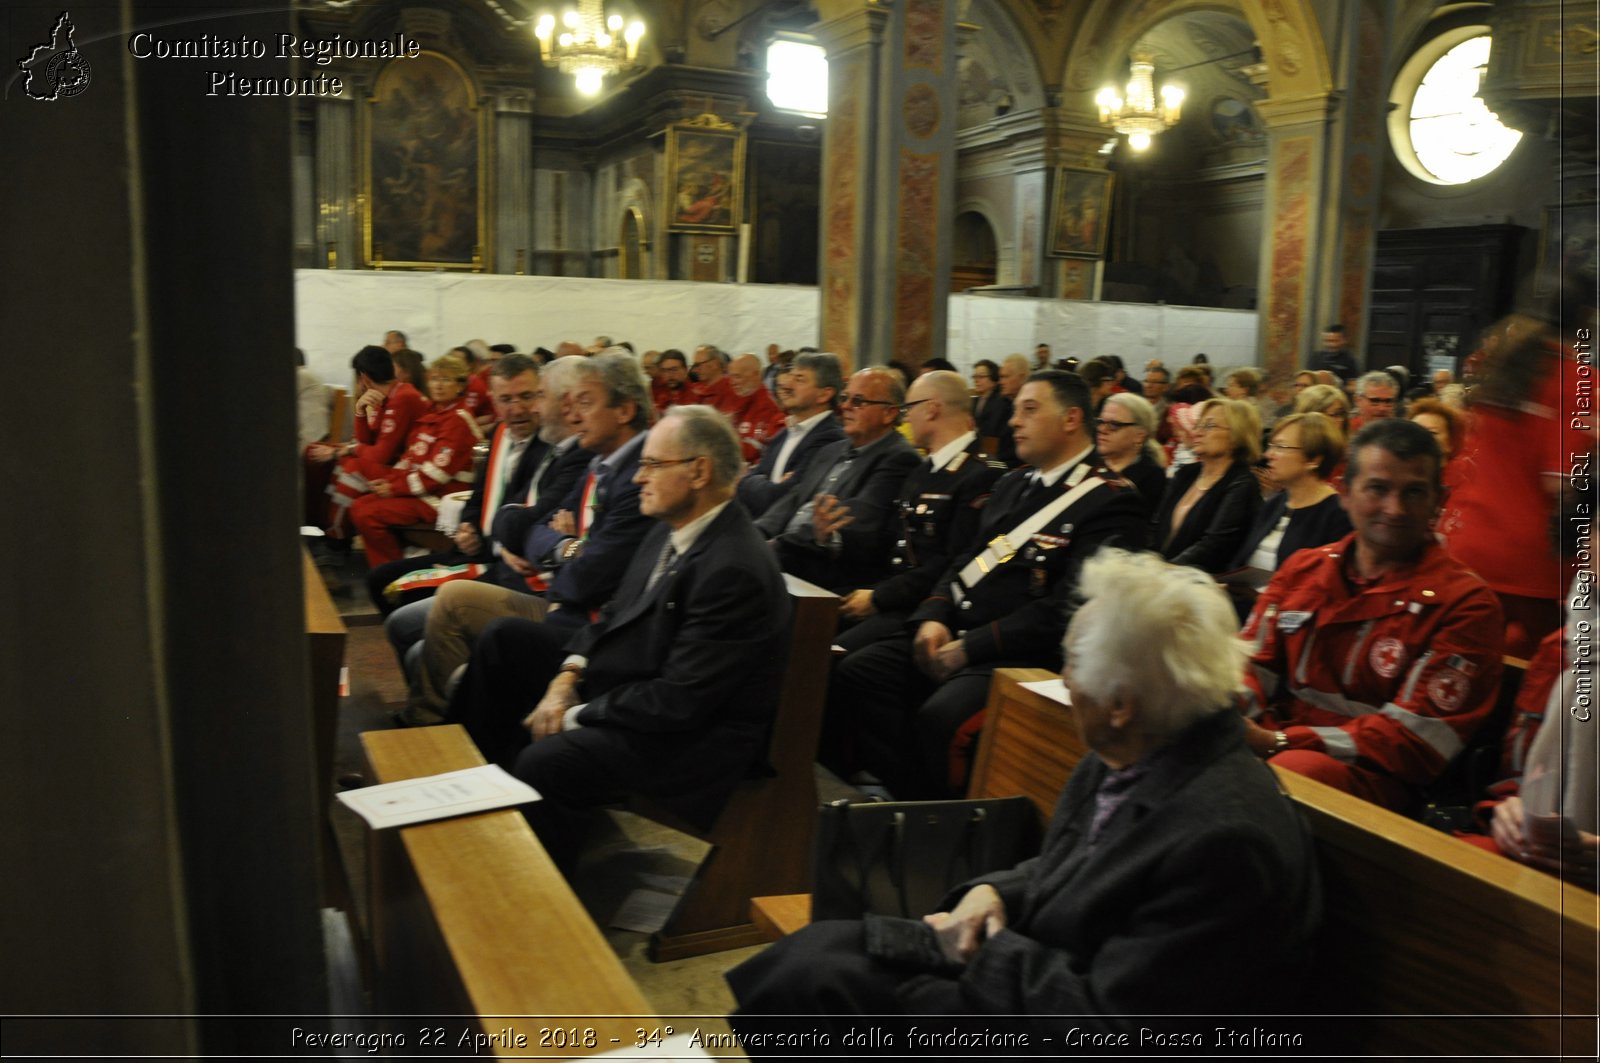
{"type": "Point", "coordinates": [626, 853]}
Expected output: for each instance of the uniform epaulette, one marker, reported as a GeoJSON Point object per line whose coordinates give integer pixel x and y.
{"type": "Point", "coordinates": [998, 465]}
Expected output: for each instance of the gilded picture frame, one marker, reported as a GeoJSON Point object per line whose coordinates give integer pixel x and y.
{"type": "Point", "coordinates": [1079, 213]}
{"type": "Point", "coordinates": [425, 168]}
{"type": "Point", "coordinates": [705, 176]}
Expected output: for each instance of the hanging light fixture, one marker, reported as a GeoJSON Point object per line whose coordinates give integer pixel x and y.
{"type": "Point", "coordinates": [1138, 117]}
{"type": "Point", "coordinates": [591, 46]}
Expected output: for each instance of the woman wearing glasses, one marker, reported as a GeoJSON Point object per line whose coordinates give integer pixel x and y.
{"type": "Point", "coordinates": [1305, 511]}
{"type": "Point", "coordinates": [1126, 441]}
{"type": "Point", "coordinates": [1210, 505]}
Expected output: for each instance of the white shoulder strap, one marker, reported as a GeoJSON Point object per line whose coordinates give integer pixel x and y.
{"type": "Point", "coordinates": [1003, 548]}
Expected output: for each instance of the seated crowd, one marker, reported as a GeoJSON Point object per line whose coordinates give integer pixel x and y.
{"type": "Point", "coordinates": [1227, 576]}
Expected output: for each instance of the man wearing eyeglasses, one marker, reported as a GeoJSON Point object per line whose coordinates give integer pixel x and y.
{"type": "Point", "coordinates": [575, 560]}
{"type": "Point", "coordinates": [836, 528]}
{"type": "Point", "coordinates": [709, 371]}
{"type": "Point", "coordinates": [1376, 395]}
{"type": "Point", "coordinates": [937, 510]}
{"type": "Point", "coordinates": [1004, 601]}
{"type": "Point", "coordinates": [671, 691]}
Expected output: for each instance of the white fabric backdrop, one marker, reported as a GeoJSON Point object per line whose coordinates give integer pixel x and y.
{"type": "Point", "coordinates": [340, 311]}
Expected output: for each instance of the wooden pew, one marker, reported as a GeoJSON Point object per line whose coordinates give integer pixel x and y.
{"type": "Point", "coordinates": [1417, 923]}
{"type": "Point", "coordinates": [713, 914]}
{"type": "Point", "coordinates": [470, 917]}
{"type": "Point", "coordinates": [325, 636]}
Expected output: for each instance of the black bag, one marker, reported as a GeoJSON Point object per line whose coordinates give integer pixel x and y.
{"type": "Point", "coordinates": [901, 858]}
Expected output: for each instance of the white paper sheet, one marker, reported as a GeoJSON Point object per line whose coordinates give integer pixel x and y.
{"type": "Point", "coordinates": [454, 793]}
{"type": "Point", "coordinates": [1054, 689]}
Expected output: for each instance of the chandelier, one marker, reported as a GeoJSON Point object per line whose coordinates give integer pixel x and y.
{"type": "Point", "coordinates": [591, 46]}
{"type": "Point", "coordinates": [1138, 116]}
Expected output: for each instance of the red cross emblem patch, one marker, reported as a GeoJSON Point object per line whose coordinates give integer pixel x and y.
{"type": "Point", "coordinates": [1449, 689]}
{"type": "Point", "coordinates": [1387, 655]}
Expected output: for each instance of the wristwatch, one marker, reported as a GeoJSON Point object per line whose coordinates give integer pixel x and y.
{"type": "Point", "coordinates": [1280, 742]}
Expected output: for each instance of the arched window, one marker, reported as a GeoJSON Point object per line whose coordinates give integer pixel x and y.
{"type": "Point", "coordinates": [1441, 130]}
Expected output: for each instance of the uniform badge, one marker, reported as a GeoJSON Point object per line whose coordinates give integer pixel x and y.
{"type": "Point", "coordinates": [1387, 655]}
{"type": "Point", "coordinates": [419, 447]}
{"type": "Point", "coordinates": [1044, 542]}
{"type": "Point", "coordinates": [1449, 689]}
{"type": "Point", "coordinates": [956, 462]}
{"type": "Point", "coordinates": [1291, 622]}
{"type": "Point", "coordinates": [388, 425]}
{"type": "Point", "coordinates": [1462, 665]}
{"type": "Point", "coordinates": [1038, 582]}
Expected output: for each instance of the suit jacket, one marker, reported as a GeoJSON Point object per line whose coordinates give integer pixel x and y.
{"type": "Point", "coordinates": [1203, 852]}
{"type": "Point", "coordinates": [993, 415]}
{"type": "Point", "coordinates": [758, 491]}
{"type": "Point", "coordinates": [1215, 528]}
{"type": "Point", "coordinates": [1019, 611]}
{"type": "Point", "coordinates": [515, 521]}
{"type": "Point", "coordinates": [869, 485]}
{"type": "Point", "coordinates": [703, 651]}
{"type": "Point", "coordinates": [1315, 525]}
{"type": "Point", "coordinates": [938, 516]}
{"type": "Point", "coordinates": [1147, 475]}
{"type": "Point", "coordinates": [590, 580]}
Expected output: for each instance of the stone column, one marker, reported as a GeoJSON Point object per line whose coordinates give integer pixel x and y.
{"type": "Point", "coordinates": [1354, 173]}
{"type": "Point", "coordinates": [888, 178]}
{"type": "Point", "coordinates": [513, 181]}
{"type": "Point", "coordinates": [1072, 140]}
{"type": "Point", "coordinates": [336, 191]}
{"type": "Point", "coordinates": [1295, 255]}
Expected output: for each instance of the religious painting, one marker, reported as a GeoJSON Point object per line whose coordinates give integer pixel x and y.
{"type": "Point", "coordinates": [1080, 210]}
{"type": "Point", "coordinates": [705, 175]}
{"type": "Point", "coordinates": [1567, 243]}
{"type": "Point", "coordinates": [425, 168]}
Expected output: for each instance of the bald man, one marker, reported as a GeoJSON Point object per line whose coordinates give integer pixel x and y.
{"type": "Point", "coordinates": [937, 510]}
{"type": "Point", "coordinates": [755, 416]}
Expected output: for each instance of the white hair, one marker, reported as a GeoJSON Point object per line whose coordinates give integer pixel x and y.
{"type": "Point", "coordinates": [1164, 635]}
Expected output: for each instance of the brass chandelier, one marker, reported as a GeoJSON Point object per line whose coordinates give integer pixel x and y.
{"type": "Point", "coordinates": [1138, 116]}
{"type": "Point", "coordinates": [591, 45]}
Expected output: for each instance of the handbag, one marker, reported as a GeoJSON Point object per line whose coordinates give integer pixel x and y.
{"type": "Point", "coordinates": [900, 858]}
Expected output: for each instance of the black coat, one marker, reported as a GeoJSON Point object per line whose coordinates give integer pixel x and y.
{"type": "Point", "coordinates": [758, 491]}
{"type": "Point", "coordinates": [1316, 525]}
{"type": "Point", "coordinates": [1019, 611]}
{"type": "Point", "coordinates": [868, 485]}
{"type": "Point", "coordinates": [1150, 478]}
{"type": "Point", "coordinates": [1211, 534]}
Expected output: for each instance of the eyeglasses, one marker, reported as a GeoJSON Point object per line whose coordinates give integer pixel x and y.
{"type": "Point", "coordinates": [905, 407]}
{"type": "Point", "coordinates": [1114, 425]}
{"type": "Point", "coordinates": [1211, 426]}
{"type": "Point", "coordinates": [855, 402]}
{"type": "Point", "coordinates": [1275, 445]}
{"type": "Point", "coordinates": [1377, 401]}
{"type": "Point", "coordinates": [703, 361]}
{"type": "Point", "coordinates": [648, 466]}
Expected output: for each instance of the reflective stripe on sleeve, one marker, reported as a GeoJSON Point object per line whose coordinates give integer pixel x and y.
{"type": "Point", "coordinates": [1337, 742]}
{"type": "Point", "coordinates": [1439, 735]}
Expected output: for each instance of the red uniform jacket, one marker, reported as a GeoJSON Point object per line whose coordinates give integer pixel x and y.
{"type": "Point", "coordinates": [477, 399]}
{"type": "Point", "coordinates": [439, 454]}
{"type": "Point", "coordinates": [662, 396]}
{"type": "Point", "coordinates": [381, 437]}
{"type": "Point", "coordinates": [1395, 675]}
{"type": "Point", "coordinates": [719, 396]}
{"type": "Point", "coordinates": [757, 419]}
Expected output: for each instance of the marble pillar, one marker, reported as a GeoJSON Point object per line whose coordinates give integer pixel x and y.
{"type": "Point", "coordinates": [513, 182]}
{"type": "Point", "coordinates": [336, 184]}
{"type": "Point", "coordinates": [888, 178]}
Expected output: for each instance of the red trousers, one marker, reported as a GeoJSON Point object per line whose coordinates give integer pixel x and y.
{"type": "Point", "coordinates": [1368, 785]}
{"type": "Point", "coordinates": [373, 515]}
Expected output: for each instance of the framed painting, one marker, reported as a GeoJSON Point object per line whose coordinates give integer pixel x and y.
{"type": "Point", "coordinates": [705, 175]}
{"type": "Point", "coordinates": [424, 169]}
{"type": "Point", "coordinates": [1567, 242]}
{"type": "Point", "coordinates": [1079, 212]}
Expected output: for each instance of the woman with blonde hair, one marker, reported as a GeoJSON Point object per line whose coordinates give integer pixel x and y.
{"type": "Point", "coordinates": [1125, 436]}
{"type": "Point", "coordinates": [1209, 506]}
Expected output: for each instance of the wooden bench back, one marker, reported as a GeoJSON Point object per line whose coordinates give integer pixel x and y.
{"type": "Point", "coordinates": [470, 917]}
{"type": "Point", "coordinates": [338, 410]}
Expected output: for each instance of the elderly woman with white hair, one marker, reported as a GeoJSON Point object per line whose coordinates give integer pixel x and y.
{"type": "Point", "coordinates": [1170, 850]}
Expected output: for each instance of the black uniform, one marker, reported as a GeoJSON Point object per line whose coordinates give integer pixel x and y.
{"type": "Point", "coordinates": [899, 722]}
{"type": "Point", "coordinates": [937, 516]}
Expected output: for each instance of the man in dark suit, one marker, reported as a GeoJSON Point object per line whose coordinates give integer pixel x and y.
{"type": "Point", "coordinates": [837, 528]}
{"type": "Point", "coordinates": [533, 462]}
{"type": "Point", "coordinates": [896, 706]}
{"type": "Point", "coordinates": [937, 510]}
{"type": "Point", "coordinates": [1169, 850]}
{"type": "Point", "coordinates": [578, 557]}
{"type": "Point", "coordinates": [672, 691]}
{"type": "Point", "coordinates": [807, 393]}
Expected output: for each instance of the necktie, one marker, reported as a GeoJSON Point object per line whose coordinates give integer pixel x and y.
{"type": "Point", "coordinates": [663, 564]}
